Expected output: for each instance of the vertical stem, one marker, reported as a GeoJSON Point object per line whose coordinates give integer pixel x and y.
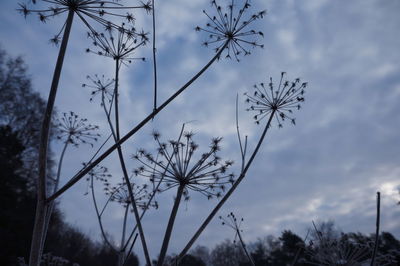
{"type": "Point", "coordinates": [40, 216]}
{"type": "Point", "coordinates": [123, 166]}
{"type": "Point", "coordinates": [154, 57]}
{"type": "Point", "coordinates": [244, 248]}
{"type": "Point", "coordinates": [171, 221]}
{"type": "Point", "coordinates": [103, 233]}
{"type": "Point", "coordinates": [121, 254]}
{"type": "Point", "coordinates": [229, 193]}
{"type": "Point", "coordinates": [378, 214]}
{"type": "Point", "coordinates": [51, 204]}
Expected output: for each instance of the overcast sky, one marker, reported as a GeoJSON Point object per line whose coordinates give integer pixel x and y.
{"type": "Point", "coordinates": [344, 148]}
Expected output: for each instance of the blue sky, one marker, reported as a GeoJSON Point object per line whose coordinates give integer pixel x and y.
{"type": "Point", "coordinates": [343, 149]}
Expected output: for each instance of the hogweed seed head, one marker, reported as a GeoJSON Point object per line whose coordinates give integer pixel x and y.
{"type": "Point", "coordinates": [75, 130]}
{"type": "Point", "coordinates": [118, 44]}
{"type": "Point", "coordinates": [102, 86]}
{"type": "Point", "coordinates": [87, 10]}
{"type": "Point", "coordinates": [206, 174]}
{"type": "Point", "coordinates": [119, 193]}
{"type": "Point", "coordinates": [282, 99]}
{"type": "Point", "coordinates": [232, 25]}
{"type": "Point", "coordinates": [98, 172]}
{"type": "Point", "coordinates": [232, 222]}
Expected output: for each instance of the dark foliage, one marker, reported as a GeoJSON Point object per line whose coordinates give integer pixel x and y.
{"type": "Point", "coordinates": [22, 109]}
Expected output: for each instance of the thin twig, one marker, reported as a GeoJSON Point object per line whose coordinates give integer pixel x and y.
{"type": "Point", "coordinates": [154, 56]}
{"type": "Point", "coordinates": [378, 214]}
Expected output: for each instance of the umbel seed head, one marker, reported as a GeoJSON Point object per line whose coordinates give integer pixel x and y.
{"type": "Point", "coordinates": [279, 101]}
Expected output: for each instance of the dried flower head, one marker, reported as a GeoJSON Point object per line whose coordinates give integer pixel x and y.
{"type": "Point", "coordinates": [75, 130]}
{"type": "Point", "coordinates": [231, 26]}
{"type": "Point", "coordinates": [87, 10]}
{"type": "Point", "coordinates": [118, 44]}
{"type": "Point", "coordinates": [233, 223]}
{"type": "Point", "coordinates": [281, 100]}
{"type": "Point", "coordinates": [102, 86]}
{"type": "Point", "coordinates": [98, 172]}
{"type": "Point", "coordinates": [206, 174]}
{"type": "Point", "coordinates": [120, 194]}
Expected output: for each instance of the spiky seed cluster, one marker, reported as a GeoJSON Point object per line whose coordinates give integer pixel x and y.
{"type": "Point", "coordinates": [232, 26]}
{"type": "Point", "coordinates": [87, 10]}
{"type": "Point", "coordinates": [281, 100]}
{"type": "Point", "coordinates": [118, 44]}
{"type": "Point", "coordinates": [119, 193]}
{"type": "Point", "coordinates": [98, 172]}
{"type": "Point", "coordinates": [178, 167]}
{"type": "Point", "coordinates": [102, 86]}
{"type": "Point", "coordinates": [75, 130]}
{"type": "Point", "coordinates": [233, 223]}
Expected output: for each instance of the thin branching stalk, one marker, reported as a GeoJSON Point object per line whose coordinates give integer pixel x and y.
{"type": "Point", "coordinates": [243, 147]}
{"type": "Point", "coordinates": [130, 250]}
{"type": "Point", "coordinates": [56, 183]}
{"type": "Point", "coordinates": [244, 247]}
{"type": "Point", "coordinates": [123, 165]}
{"type": "Point", "coordinates": [121, 254]}
{"type": "Point", "coordinates": [154, 56]}
{"type": "Point", "coordinates": [378, 214]}
{"type": "Point", "coordinates": [171, 221]}
{"type": "Point", "coordinates": [148, 203]}
{"type": "Point", "coordinates": [40, 216]}
{"type": "Point", "coordinates": [230, 191]}
{"type": "Point", "coordinates": [99, 214]}
{"type": "Point", "coordinates": [105, 154]}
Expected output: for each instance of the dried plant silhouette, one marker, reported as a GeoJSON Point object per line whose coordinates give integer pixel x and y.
{"type": "Point", "coordinates": [72, 130]}
{"type": "Point", "coordinates": [280, 100]}
{"type": "Point", "coordinates": [179, 167]}
{"type": "Point", "coordinates": [120, 48]}
{"type": "Point", "coordinates": [232, 222]}
{"type": "Point", "coordinates": [176, 164]}
{"type": "Point", "coordinates": [87, 11]}
{"type": "Point", "coordinates": [120, 195]}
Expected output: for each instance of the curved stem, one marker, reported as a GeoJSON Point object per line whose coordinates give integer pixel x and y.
{"type": "Point", "coordinates": [51, 204]}
{"type": "Point", "coordinates": [171, 221]}
{"type": "Point", "coordinates": [41, 208]}
{"type": "Point", "coordinates": [105, 154]}
{"type": "Point", "coordinates": [229, 193]}
{"type": "Point", "coordinates": [103, 233]}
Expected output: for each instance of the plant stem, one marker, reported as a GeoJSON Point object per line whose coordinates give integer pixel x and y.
{"type": "Point", "coordinates": [229, 193]}
{"type": "Point", "coordinates": [123, 166]}
{"type": "Point", "coordinates": [41, 208]}
{"type": "Point", "coordinates": [154, 56]}
{"type": "Point", "coordinates": [244, 248]}
{"type": "Point", "coordinates": [56, 183]}
{"type": "Point", "coordinates": [105, 154]}
{"type": "Point", "coordinates": [378, 214]}
{"type": "Point", "coordinates": [103, 233]}
{"type": "Point", "coordinates": [171, 221]}
{"type": "Point", "coordinates": [121, 254]}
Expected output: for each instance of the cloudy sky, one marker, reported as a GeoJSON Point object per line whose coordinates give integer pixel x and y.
{"type": "Point", "coordinates": [344, 148]}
